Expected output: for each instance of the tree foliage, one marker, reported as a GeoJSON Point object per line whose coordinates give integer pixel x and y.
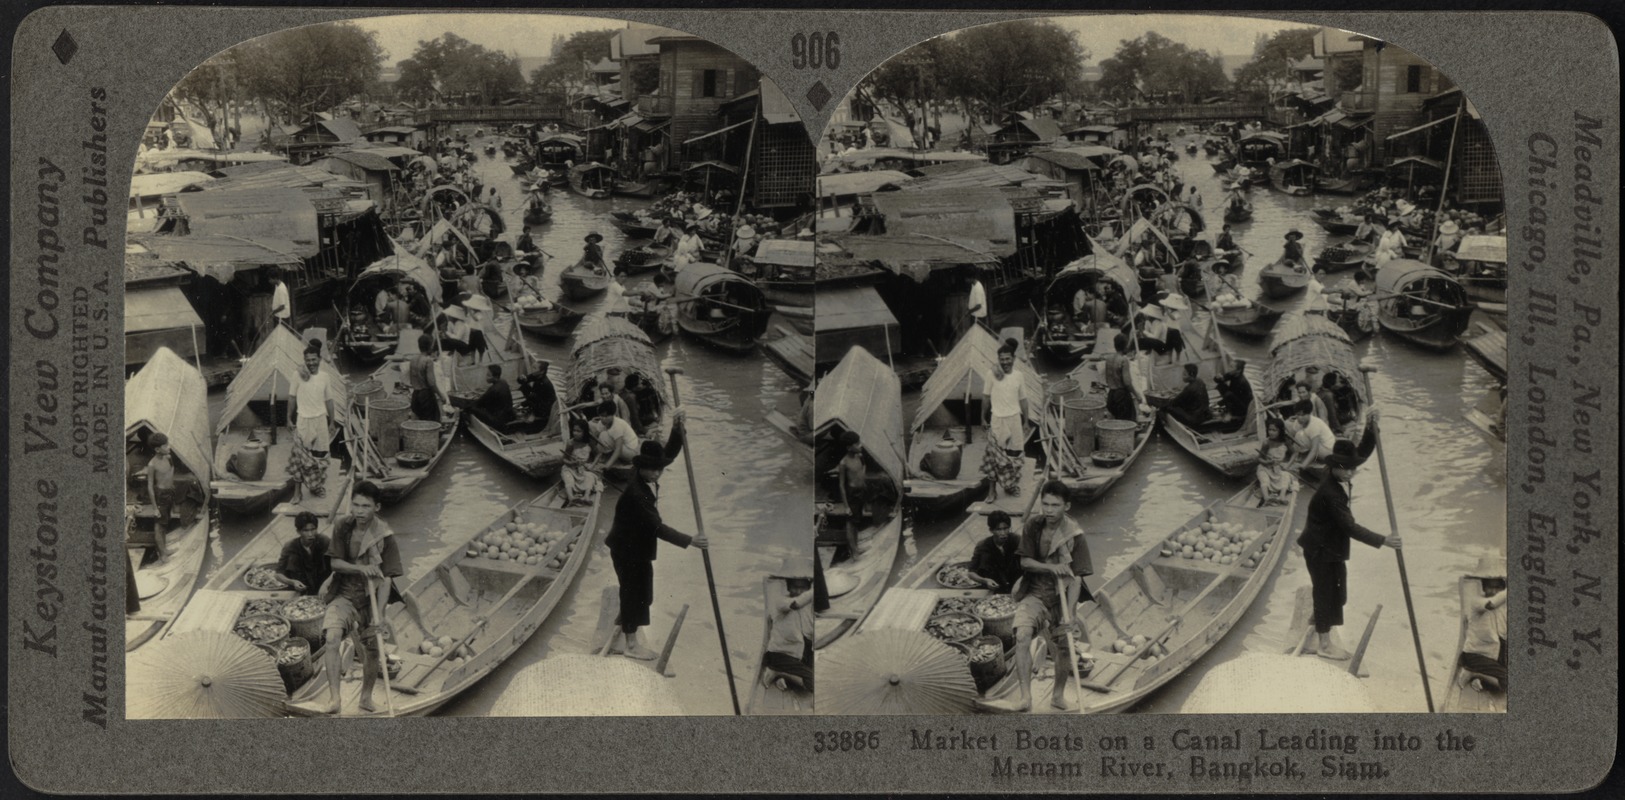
{"type": "Point", "coordinates": [1158, 68]}
{"type": "Point", "coordinates": [1270, 69]}
{"type": "Point", "coordinates": [452, 66]}
{"type": "Point", "coordinates": [309, 68]}
{"type": "Point", "coordinates": [208, 90]}
{"type": "Point", "coordinates": [1007, 66]}
{"type": "Point", "coordinates": [567, 69]}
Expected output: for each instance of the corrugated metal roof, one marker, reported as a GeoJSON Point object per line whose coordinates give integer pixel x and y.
{"type": "Point", "coordinates": [785, 252]}
{"type": "Point", "coordinates": [372, 162]}
{"type": "Point", "coordinates": [276, 176]}
{"type": "Point", "coordinates": [158, 308]}
{"type": "Point", "coordinates": [845, 183]}
{"type": "Point", "coordinates": [971, 214]}
{"type": "Point", "coordinates": [218, 257]}
{"type": "Point", "coordinates": [163, 183]}
{"type": "Point", "coordinates": [983, 176]}
{"type": "Point", "coordinates": [1067, 159]}
{"type": "Point", "coordinates": [915, 255]}
{"type": "Point", "coordinates": [388, 150]}
{"type": "Point", "coordinates": [284, 219]}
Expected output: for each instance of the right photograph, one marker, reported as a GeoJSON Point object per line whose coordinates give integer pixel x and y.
{"type": "Point", "coordinates": [1159, 367]}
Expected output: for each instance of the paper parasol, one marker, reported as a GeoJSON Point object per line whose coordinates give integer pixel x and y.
{"type": "Point", "coordinates": [203, 675]}
{"type": "Point", "coordinates": [893, 672]}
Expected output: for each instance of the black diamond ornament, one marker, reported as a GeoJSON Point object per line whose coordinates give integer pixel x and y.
{"type": "Point", "coordinates": [65, 47]}
{"type": "Point", "coordinates": [818, 95]}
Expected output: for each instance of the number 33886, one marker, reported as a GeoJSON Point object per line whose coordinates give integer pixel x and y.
{"type": "Point", "coordinates": [845, 741]}
{"type": "Point", "coordinates": [815, 50]}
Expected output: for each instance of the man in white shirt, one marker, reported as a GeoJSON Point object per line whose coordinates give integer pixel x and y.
{"type": "Point", "coordinates": [311, 405]}
{"type": "Point", "coordinates": [978, 302]}
{"type": "Point", "coordinates": [1003, 410]}
{"type": "Point", "coordinates": [617, 442]}
{"type": "Point", "coordinates": [281, 304]}
{"type": "Point", "coordinates": [1313, 436]}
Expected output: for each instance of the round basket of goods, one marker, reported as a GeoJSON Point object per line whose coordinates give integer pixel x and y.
{"type": "Point", "coordinates": [411, 460]}
{"type": "Point", "coordinates": [304, 616]}
{"type": "Point", "coordinates": [998, 614]}
{"type": "Point", "coordinates": [1108, 458]}
{"type": "Point", "coordinates": [956, 626]}
{"type": "Point", "coordinates": [263, 577]}
{"type": "Point", "coordinates": [264, 631]}
{"type": "Point", "coordinates": [957, 576]}
{"type": "Point", "coordinates": [949, 605]}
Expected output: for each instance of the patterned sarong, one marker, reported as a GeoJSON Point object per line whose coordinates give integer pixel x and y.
{"type": "Point", "coordinates": [308, 470]}
{"type": "Point", "coordinates": [1003, 468]}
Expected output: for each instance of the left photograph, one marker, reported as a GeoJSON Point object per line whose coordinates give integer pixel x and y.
{"type": "Point", "coordinates": [467, 361]}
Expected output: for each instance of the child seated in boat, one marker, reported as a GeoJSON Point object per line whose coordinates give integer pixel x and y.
{"type": "Point", "coordinates": [1275, 482]}
{"type": "Point", "coordinates": [1484, 650]}
{"type": "Point", "coordinates": [787, 660]}
{"type": "Point", "coordinates": [1292, 251]}
{"type": "Point", "coordinates": [580, 484]}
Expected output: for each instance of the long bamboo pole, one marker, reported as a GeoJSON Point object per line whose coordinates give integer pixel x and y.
{"type": "Point", "coordinates": [699, 525]}
{"type": "Point", "coordinates": [1399, 555]}
{"type": "Point", "coordinates": [1444, 186]}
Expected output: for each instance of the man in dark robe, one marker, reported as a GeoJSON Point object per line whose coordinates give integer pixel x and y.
{"type": "Point", "coordinates": [633, 541]}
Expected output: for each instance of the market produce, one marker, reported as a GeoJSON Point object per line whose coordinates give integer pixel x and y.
{"type": "Point", "coordinates": [263, 577]}
{"type": "Point", "coordinates": [995, 607]}
{"type": "Point", "coordinates": [263, 629]}
{"type": "Point", "coordinates": [955, 627]}
{"type": "Point", "coordinates": [292, 653]}
{"type": "Point", "coordinates": [983, 652]}
{"type": "Point", "coordinates": [525, 542]}
{"type": "Point", "coordinates": [304, 608]}
{"type": "Point", "coordinates": [261, 606]}
{"type": "Point", "coordinates": [948, 605]}
{"type": "Point", "coordinates": [958, 576]}
{"type": "Point", "coordinates": [1219, 542]}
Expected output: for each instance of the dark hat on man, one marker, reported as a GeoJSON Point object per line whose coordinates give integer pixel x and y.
{"type": "Point", "coordinates": [1294, 234]}
{"type": "Point", "coordinates": [1344, 456]}
{"type": "Point", "coordinates": [651, 456]}
{"type": "Point", "coordinates": [594, 237]}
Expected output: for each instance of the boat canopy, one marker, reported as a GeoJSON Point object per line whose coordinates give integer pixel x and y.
{"type": "Point", "coordinates": [1491, 249]}
{"type": "Point", "coordinates": [1100, 264]}
{"type": "Point", "coordinates": [400, 265]}
{"type": "Point", "coordinates": [1404, 276]}
{"type": "Point", "coordinates": [700, 276]}
{"type": "Point", "coordinates": [785, 252]}
{"type": "Point", "coordinates": [967, 371]}
{"type": "Point", "coordinates": [281, 357]}
{"type": "Point", "coordinates": [602, 342]}
{"type": "Point", "coordinates": [1300, 341]}
{"type": "Point", "coordinates": [862, 394]}
{"type": "Point", "coordinates": [169, 396]}
{"type": "Point", "coordinates": [1295, 165]}
{"type": "Point", "coordinates": [585, 169]}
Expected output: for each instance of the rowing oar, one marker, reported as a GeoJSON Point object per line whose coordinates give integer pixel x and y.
{"type": "Point", "coordinates": [1399, 554]}
{"type": "Point", "coordinates": [699, 526]}
{"type": "Point", "coordinates": [383, 658]}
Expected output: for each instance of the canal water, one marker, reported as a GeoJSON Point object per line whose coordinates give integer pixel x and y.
{"type": "Point", "coordinates": [746, 474]}
{"type": "Point", "coordinates": [1448, 482]}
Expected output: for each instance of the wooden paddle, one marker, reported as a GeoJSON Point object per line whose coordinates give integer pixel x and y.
{"type": "Point", "coordinates": [1399, 555]}
{"type": "Point", "coordinates": [699, 525]}
{"type": "Point", "coordinates": [383, 658]}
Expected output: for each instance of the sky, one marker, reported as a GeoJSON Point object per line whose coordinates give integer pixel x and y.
{"type": "Point", "coordinates": [1101, 34]}
{"type": "Point", "coordinates": [518, 34]}
{"type": "Point", "coordinates": [1226, 35]}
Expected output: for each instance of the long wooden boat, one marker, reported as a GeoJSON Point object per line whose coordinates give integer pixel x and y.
{"type": "Point", "coordinates": [947, 424]}
{"type": "Point", "coordinates": [1257, 150]}
{"type": "Point", "coordinates": [490, 605]}
{"type": "Point", "coordinates": [634, 260]}
{"type": "Point", "coordinates": [793, 352]}
{"type": "Point", "coordinates": [558, 149]}
{"type": "Point", "coordinates": [634, 226]}
{"type": "Point", "coordinates": [1089, 478]}
{"type": "Point", "coordinates": [167, 396]}
{"type": "Point", "coordinates": [1184, 604]}
{"type": "Point", "coordinates": [1458, 697]}
{"type": "Point", "coordinates": [361, 335]}
{"type": "Point", "coordinates": [1304, 340]}
{"type": "Point", "coordinates": [1346, 256]}
{"type": "Point", "coordinates": [604, 341]}
{"type": "Point", "coordinates": [1283, 279]}
{"type": "Point", "coordinates": [1336, 224]}
{"type": "Point", "coordinates": [1234, 453]}
{"type": "Point", "coordinates": [720, 307]}
{"type": "Point", "coordinates": [240, 588]}
{"type": "Point", "coordinates": [537, 449]}
{"type": "Point", "coordinates": [256, 409]}
{"type": "Point", "coordinates": [1235, 312]}
{"type": "Point", "coordinates": [580, 281]}
{"type": "Point", "coordinates": [1237, 213]}
{"type": "Point", "coordinates": [1294, 177]}
{"type": "Point", "coordinates": [1352, 183]}
{"type": "Point", "coordinates": [1057, 335]}
{"type": "Point", "coordinates": [1421, 304]}
{"type": "Point", "coordinates": [766, 699]}
{"type": "Point", "coordinates": [861, 395]}
{"type": "Point", "coordinates": [554, 322]}
{"type": "Point", "coordinates": [537, 210]}
{"type": "Point", "coordinates": [593, 181]}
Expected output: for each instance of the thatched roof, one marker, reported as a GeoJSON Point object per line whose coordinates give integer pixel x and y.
{"type": "Point", "coordinates": [602, 342]}
{"type": "Point", "coordinates": [1301, 340]}
{"type": "Point", "coordinates": [281, 357]}
{"type": "Point", "coordinates": [169, 396]}
{"type": "Point", "coordinates": [862, 394]}
{"type": "Point", "coordinates": [967, 370]}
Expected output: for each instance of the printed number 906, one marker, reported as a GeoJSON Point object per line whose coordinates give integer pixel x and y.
{"type": "Point", "coordinates": [815, 51]}
{"type": "Point", "coordinates": [845, 741]}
